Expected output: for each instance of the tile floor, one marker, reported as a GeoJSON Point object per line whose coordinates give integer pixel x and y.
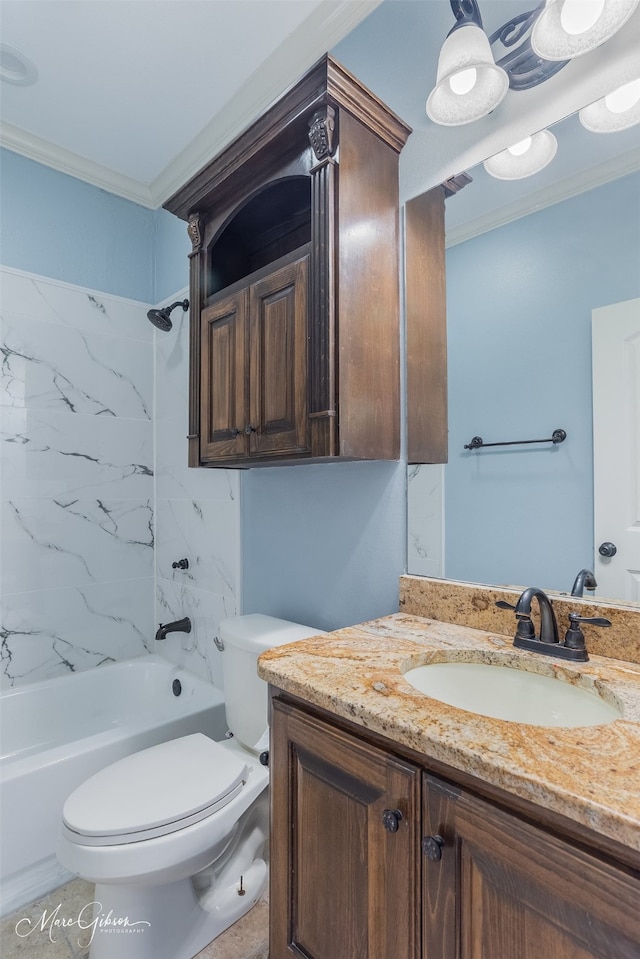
{"type": "Point", "coordinates": [246, 939]}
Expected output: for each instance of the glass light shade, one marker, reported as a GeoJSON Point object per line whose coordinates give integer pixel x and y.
{"type": "Point", "coordinates": [569, 28]}
{"type": "Point", "coordinates": [469, 85]}
{"type": "Point", "coordinates": [523, 159]}
{"type": "Point", "coordinates": [617, 111]}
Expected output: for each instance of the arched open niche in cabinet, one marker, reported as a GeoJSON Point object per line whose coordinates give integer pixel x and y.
{"type": "Point", "coordinates": [272, 223]}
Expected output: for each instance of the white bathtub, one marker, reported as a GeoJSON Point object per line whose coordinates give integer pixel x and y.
{"type": "Point", "coordinates": [56, 733]}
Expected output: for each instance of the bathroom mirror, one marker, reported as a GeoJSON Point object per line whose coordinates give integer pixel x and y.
{"type": "Point", "coordinates": [527, 262]}
{"type": "Point", "coordinates": [519, 362]}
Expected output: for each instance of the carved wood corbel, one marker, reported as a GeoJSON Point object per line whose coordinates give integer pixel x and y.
{"type": "Point", "coordinates": [194, 229]}
{"type": "Point", "coordinates": [322, 132]}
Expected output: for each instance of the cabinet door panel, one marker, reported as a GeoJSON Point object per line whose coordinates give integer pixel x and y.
{"type": "Point", "coordinates": [520, 891]}
{"type": "Point", "coordinates": [278, 351]}
{"type": "Point", "coordinates": [343, 886]}
{"type": "Point", "coordinates": [223, 379]}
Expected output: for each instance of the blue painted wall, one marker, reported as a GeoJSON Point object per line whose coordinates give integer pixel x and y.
{"type": "Point", "coordinates": [60, 227]}
{"type": "Point", "coordinates": [323, 545]}
{"type": "Point", "coordinates": [57, 226]}
{"type": "Point", "coordinates": [519, 302]}
{"type": "Point", "coordinates": [171, 248]}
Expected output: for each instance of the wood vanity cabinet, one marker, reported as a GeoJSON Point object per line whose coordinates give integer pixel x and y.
{"type": "Point", "coordinates": [284, 367]}
{"type": "Point", "coordinates": [345, 876]}
{"type": "Point", "coordinates": [374, 857]}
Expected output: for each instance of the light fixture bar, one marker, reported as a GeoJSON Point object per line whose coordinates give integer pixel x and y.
{"type": "Point", "coordinates": [523, 66]}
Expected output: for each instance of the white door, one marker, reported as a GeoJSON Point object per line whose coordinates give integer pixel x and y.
{"type": "Point", "coordinates": [616, 440]}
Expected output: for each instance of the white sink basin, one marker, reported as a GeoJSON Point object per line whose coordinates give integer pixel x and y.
{"type": "Point", "coordinates": [512, 694]}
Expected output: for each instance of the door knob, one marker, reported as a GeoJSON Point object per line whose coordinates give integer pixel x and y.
{"type": "Point", "coordinates": [608, 549]}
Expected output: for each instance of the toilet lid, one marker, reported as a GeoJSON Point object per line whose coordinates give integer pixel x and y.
{"type": "Point", "coordinates": [156, 791]}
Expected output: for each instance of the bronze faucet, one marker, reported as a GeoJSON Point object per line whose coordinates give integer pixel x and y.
{"type": "Point", "coordinates": [548, 642]}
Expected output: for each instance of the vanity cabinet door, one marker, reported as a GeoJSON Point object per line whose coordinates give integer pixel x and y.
{"type": "Point", "coordinates": [345, 869]}
{"type": "Point", "coordinates": [504, 888]}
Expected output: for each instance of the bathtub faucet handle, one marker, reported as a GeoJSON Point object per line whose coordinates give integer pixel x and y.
{"type": "Point", "coordinates": [178, 626]}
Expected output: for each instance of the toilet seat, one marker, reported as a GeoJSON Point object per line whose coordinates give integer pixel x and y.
{"type": "Point", "coordinates": [154, 792]}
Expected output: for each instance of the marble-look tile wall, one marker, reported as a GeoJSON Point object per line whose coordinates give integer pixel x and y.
{"type": "Point", "coordinates": [197, 518]}
{"type": "Point", "coordinates": [425, 519]}
{"type": "Point", "coordinates": [76, 468]}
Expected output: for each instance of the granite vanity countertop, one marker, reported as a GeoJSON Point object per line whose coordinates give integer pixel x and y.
{"type": "Point", "coordinates": [590, 774]}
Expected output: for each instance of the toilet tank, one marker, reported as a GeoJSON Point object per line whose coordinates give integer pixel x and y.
{"type": "Point", "coordinates": [245, 694]}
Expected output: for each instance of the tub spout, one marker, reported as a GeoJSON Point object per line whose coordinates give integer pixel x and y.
{"type": "Point", "coordinates": [178, 626]}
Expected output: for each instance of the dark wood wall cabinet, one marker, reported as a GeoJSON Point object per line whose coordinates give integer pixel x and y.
{"type": "Point", "coordinates": [373, 856]}
{"type": "Point", "coordinates": [294, 285]}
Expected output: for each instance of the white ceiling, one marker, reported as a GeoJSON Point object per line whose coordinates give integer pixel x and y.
{"type": "Point", "coordinates": [136, 95]}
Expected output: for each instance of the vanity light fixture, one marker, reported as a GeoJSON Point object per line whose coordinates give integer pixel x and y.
{"type": "Point", "coordinates": [619, 110]}
{"type": "Point", "coordinates": [569, 28]}
{"type": "Point", "coordinates": [469, 85]}
{"type": "Point", "coordinates": [523, 159]}
{"type": "Point", "coordinates": [470, 82]}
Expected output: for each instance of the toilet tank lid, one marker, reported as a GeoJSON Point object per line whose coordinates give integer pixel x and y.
{"type": "Point", "coordinates": [256, 632]}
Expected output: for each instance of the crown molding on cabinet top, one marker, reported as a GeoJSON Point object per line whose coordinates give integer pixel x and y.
{"type": "Point", "coordinates": [327, 24]}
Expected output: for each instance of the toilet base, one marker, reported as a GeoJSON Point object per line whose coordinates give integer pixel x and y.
{"type": "Point", "coordinates": [166, 921]}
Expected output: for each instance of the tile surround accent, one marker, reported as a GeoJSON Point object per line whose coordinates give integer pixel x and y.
{"type": "Point", "coordinates": [425, 508]}
{"type": "Point", "coordinates": [472, 604]}
{"type": "Point", "coordinates": [76, 459]}
{"type": "Point", "coordinates": [90, 435]}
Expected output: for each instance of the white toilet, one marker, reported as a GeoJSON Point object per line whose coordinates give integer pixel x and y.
{"type": "Point", "coordinates": [174, 836]}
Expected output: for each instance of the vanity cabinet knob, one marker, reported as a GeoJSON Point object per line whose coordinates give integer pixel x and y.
{"type": "Point", "coordinates": [432, 847]}
{"type": "Point", "coordinates": [391, 819]}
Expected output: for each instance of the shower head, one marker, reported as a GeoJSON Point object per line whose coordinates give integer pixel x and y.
{"type": "Point", "coordinates": [160, 318]}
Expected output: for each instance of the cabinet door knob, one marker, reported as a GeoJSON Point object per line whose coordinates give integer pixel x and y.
{"type": "Point", "coordinates": [249, 429]}
{"type": "Point", "coordinates": [391, 819]}
{"type": "Point", "coordinates": [432, 847]}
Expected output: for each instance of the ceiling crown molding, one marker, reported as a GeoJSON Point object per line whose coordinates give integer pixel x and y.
{"type": "Point", "coordinates": [328, 23]}
{"type": "Point", "coordinates": [613, 169]}
{"type": "Point", "coordinates": [51, 155]}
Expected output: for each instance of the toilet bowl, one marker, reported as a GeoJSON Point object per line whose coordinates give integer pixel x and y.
{"type": "Point", "coordinates": [175, 836]}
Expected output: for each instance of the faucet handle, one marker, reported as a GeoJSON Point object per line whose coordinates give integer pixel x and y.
{"type": "Point", "coordinates": [594, 620]}
{"type": "Point", "coordinates": [525, 629]}
{"type": "Point", "coordinates": [574, 637]}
